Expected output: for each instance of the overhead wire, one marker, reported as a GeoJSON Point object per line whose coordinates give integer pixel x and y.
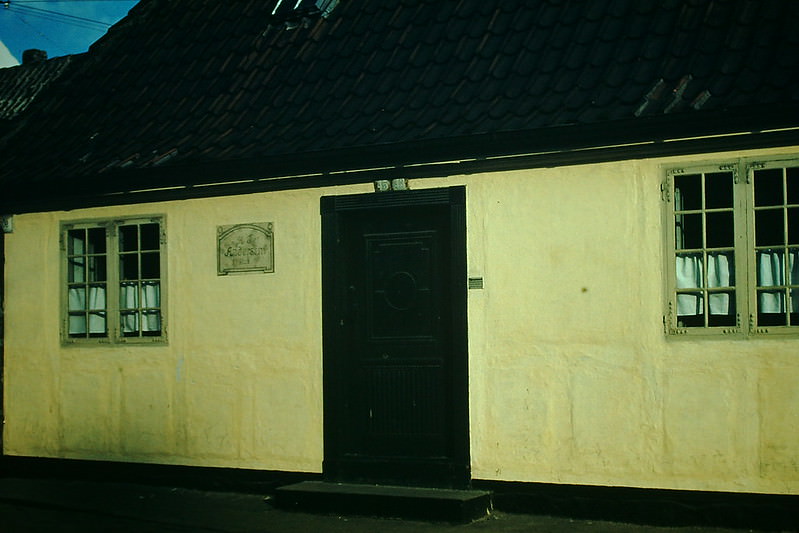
{"type": "Point", "coordinates": [25, 22]}
{"type": "Point", "coordinates": [20, 8]}
{"type": "Point", "coordinates": [39, 20]}
{"type": "Point", "coordinates": [59, 17]}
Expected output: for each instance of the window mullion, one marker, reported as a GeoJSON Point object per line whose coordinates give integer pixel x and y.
{"type": "Point", "coordinates": [113, 282]}
{"type": "Point", "coordinates": [746, 246]}
{"type": "Point", "coordinates": [671, 198]}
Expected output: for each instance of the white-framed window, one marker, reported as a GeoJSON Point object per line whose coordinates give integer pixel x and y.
{"type": "Point", "coordinates": [732, 248]}
{"type": "Point", "coordinates": [113, 281]}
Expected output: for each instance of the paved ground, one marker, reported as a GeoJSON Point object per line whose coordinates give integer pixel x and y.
{"type": "Point", "coordinates": [39, 505]}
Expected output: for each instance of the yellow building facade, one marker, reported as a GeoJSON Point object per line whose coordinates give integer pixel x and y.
{"type": "Point", "coordinates": [572, 378]}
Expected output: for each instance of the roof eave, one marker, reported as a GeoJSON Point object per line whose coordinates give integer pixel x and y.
{"type": "Point", "coordinates": [654, 136]}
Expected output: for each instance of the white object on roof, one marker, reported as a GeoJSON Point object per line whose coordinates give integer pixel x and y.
{"type": "Point", "coordinates": [6, 59]}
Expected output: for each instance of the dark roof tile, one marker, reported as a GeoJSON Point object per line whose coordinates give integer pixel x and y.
{"type": "Point", "coordinates": [611, 29]}
{"type": "Point", "coordinates": [619, 8]}
{"type": "Point", "coordinates": [594, 11]}
{"type": "Point", "coordinates": [585, 32]}
{"type": "Point", "coordinates": [21, 85]}
{"type": "Point", "coordinates": [589, 78]}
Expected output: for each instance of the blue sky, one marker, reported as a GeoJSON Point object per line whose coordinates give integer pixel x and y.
{"type": "Point", "coordinates": [58, 27]}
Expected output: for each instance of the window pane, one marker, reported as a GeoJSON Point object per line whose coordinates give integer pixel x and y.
{"type": "Point", "coordinates": [129, 296]}
{"type": "Point", "coordinates": [794, 294]}
{"type": "Point", "coordinates": [688, 192]}
{"type": "Point", "coordinates": [151, 295]}
{"type": "Point", "coordinates": [770, 268]}
{"type": "Point", "coordinates": [76, 297]}
{"type": "Point", "coordinates": [768, 187]}
{"type": "Point", "coordinates": [129, 266]}
{"type": "Point", "coordinates": [720, 230]}
{"type": "Point", "coordinates": [150, 265]}
{"type": "Point", "coordinates": [792, 175]}
{"type": "Point", "coordinates": [97, 297]}
{"type": "Point", "coordinates": [793, 267]}
{"type": "Point", "coordinates": [76, 241]}
{"type": "Point", "coordinates": [769, 228]}
{"type": "Point", "coordinates": [76, 270]}
{"type": "Point", "coordinates": [150, 237]}
{"type": "Point", "coordinates": [697, 321]}
{"type": "Point", "coordinates": [793, 225]}
{"type": "Point", "coordinates": [688, 231]}
{"type": "Point", "coordinates": [690, 309]}
{"type": "Point", "coordinates": [97, 324]}
{"type": "Point", "coordinates": [689, 271]}
{"type": "Point", "coordinates": [722, 309]}
{"type": "Point", "coordinates": [718, 190]}
{"type": "Point", "coordinates": [129, 322]}
{"type": "Point", "coordinates": [77, 325]}
{"type": "Point", "coordinates": [721, 269]}
{"type": "Point", "coordinates": [721, 303]}
{"type": "Point", "coordinates": [97, 268]}
{"type": "Point", "coordinates": [151, 323]}
{"type": "Point", "coordinates": [771, 301]}
{"type": "Point", "coordinates": [129, 238]}
{"type": "Point", "coordinates": [96, 238]}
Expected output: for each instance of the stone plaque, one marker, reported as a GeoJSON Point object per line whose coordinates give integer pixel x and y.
{"type": "Point", "coordinates": [245, 248]}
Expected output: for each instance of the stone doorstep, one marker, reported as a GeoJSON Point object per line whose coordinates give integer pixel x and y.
{"type": "Point", "coordinates": [451, 505]}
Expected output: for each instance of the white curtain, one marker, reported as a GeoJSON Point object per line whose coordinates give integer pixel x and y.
{"type": "Point", "coordinates": [96, 305]}
{"type": "Point", "coordinates": [150, 298]}
{"type": "Point", "coordinates": [690, 276]}
{"type": "Point", "coordinates": [771, 273]}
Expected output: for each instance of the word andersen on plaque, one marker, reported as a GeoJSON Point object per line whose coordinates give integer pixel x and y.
{"type": "Point", "coordinates": [245, 248]}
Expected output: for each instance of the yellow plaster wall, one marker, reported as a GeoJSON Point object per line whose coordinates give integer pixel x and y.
{"type": "Point", "coordinates": [571, 377]}
{"type": "Point", "coordinates": [239, 383]}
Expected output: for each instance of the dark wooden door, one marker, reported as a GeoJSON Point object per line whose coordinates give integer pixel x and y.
{"type": "Point", "coordinates": [395, 359]}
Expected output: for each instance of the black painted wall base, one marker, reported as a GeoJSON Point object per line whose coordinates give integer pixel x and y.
{"type": "Point", "coordinates": [660, 507]}
{"type": "Point", "coordinates": [621, 504]}
{"type": "Point", "coordinates": [190, 477]}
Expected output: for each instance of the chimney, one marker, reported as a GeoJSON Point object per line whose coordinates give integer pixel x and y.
{"type": "Point", "coordinates": [32, 56]}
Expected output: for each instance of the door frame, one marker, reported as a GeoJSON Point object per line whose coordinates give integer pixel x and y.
{"type": "Point", "coordinates": [455, 469]}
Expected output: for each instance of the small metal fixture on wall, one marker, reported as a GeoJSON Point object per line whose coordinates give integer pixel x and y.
{"type": "Point", "coordinates": [476, 283]}
{"type": "Point", "coordinates": [7, 222]}
{"type": "Point", "coordinates": [397, 184]}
